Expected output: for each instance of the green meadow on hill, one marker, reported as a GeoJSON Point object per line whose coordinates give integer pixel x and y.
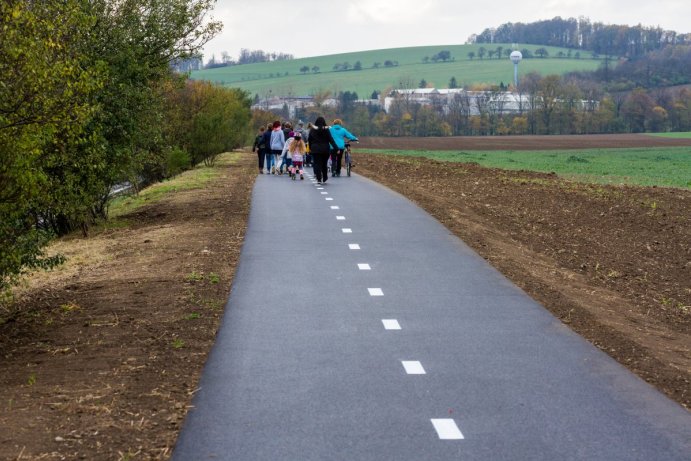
{"type": "Point", "coordinates": [284, 78]}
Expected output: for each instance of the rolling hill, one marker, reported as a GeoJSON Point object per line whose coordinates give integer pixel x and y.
{"type": "Point", "coordinates": [284, 78]}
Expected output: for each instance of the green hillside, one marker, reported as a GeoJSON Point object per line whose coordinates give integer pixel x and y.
{"type": "Point", "coordinates": [284, 77]}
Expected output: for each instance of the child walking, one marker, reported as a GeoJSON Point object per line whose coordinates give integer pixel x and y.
{"type": "Point", "coordinates": [296, 151]}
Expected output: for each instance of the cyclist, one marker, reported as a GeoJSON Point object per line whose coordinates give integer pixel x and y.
{"type": "Point", "coordinates": [339, 134]}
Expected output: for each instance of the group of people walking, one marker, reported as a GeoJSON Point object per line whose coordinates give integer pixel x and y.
{"type": "Point", "coordinates": [299, 147]}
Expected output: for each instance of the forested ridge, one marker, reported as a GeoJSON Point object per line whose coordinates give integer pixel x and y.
{"type": "Point", "coordinates": [583, 34]}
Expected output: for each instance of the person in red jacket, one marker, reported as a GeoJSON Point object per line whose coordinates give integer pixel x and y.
{"type": "Point", "coordinates": [320, 143]}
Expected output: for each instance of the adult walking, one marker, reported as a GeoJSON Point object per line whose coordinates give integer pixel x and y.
{"type": "Point", "coordinates": [320, 143]}
{"type": "Point", "coordinates": [278, 141]}
{"type": "Point", "coordinates": [340, 134]}
{"type": "Point", "coordinates": [268, 157]}
{"type": "Point", "coordinates": [260, 148]}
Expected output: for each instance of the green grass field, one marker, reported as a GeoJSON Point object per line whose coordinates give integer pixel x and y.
{"type": "Point", "coordinates": [284, 77]}
{"type": "Point", "coordinates": [668, 166]}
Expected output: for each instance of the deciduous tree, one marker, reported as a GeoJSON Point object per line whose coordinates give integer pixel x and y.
{"type": "Point", "coordinates": [80, 108]}
{"type": "Point", "coordinates": [46, 96]}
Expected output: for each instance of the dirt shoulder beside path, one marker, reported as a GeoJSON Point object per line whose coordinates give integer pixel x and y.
{"type": "Point", "coordinates": [102, 358]}
{"type": "Point", "coordinates": [614, 263]}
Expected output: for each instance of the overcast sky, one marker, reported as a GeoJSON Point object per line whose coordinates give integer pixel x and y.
{"type": "Point", "coordinates": [313, 28]}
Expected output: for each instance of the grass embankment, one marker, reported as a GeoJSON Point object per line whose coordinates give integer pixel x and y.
{"type": "Point", "coordinates": [195, 178]}
{"type": "Point", "coordinates": [668, 166]}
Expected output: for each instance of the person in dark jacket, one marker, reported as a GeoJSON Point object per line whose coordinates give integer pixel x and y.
{"type": "Point", "coordinates": [268, 157]}
{"type": "Point", "coordinates": [260, 148]}
{"type": "Point", "coordinates": [320, 143]}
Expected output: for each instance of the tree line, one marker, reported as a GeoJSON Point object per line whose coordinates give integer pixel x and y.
{"type": "Point", "coordinates": [88, 101]}
{"type": "Point", "coordinates": [503, 53]}
{"type": "Point", "coordinates": [552, 105]}
{"type": "Point", "coordinates": [668, 66]}
{"type": "Point", "coordinates": [443, 56]}
{"type": "Point", "coordinates": [246, 57]}
{"type": "Point", "coordinates": [346, 66]}
{"type": "Point", "coordinates": [582, 34]}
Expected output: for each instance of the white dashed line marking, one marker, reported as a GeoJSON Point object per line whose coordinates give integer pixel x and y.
{"type": "Point", "coordinates": [345, 230]}
{"type": "Point", "coordinates": [391, 324]}
{"type": "Point", "coordinates": [447, 429]}
{"type": "Point", "coordinates": [375, 292]}
{"type": "Point", "coordinates": [354, 246]}
{"type": "Point", "coordinates": [324, 193]}
{"type": "Point", "coordinates": [329, 198]}
{"type": "Point", "coordinates": [340, 218]}
{"type": "Point", "coordinates": [413, 367]}
{"type": "Point", "coordinates": [364, 267]}
{"type": "Point", "coordinates": [335, 207]}
{"type": "Point", "coordinates": [320, 188]}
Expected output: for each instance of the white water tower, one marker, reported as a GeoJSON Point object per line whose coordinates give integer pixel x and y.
{"type": "Point", "coordinates": [515, 57]}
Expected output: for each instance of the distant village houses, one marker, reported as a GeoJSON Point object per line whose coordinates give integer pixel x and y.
{"type": "Point", "coordinates": [292, 104]}
{"type": "Point", "coordinates": [444, 99]}
{"type": "Point", "coordinates": [472, 102]}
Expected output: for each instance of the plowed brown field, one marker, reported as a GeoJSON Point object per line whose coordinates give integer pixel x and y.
{"type": "Point", "coordinates": [592, 141]}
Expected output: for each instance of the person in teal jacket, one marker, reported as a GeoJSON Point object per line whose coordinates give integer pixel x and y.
{"type": "Point", "coordinates": [339, 134]}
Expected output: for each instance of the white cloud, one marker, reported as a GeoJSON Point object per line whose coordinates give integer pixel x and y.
{"type": "Point", "coordinates": [387, 12]}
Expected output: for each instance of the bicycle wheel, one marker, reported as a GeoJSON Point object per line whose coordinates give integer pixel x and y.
{"type": "Point", "coordinates": [347, 162]}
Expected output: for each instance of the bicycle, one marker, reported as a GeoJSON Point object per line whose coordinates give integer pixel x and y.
{"type": "Point", "coordinates": [347, 158]}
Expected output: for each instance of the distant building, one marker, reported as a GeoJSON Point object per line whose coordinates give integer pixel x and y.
{"type": "Point", "coordinates": [295, 103]}
{"type": "Point", "coordinates": [475, 102]}
{"type": "Point", "coordinates": [444, 99]}
{"type": "Point", "coordinates": [425, 96]}
{"type": "Point", "coordinates": [280, 103]}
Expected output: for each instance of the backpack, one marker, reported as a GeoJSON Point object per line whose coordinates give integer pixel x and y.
{"type": "Point", "coordinates": [260, 142]}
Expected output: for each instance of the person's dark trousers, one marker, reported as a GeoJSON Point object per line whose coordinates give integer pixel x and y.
{"type": "Point", "coordinates": [320, 166]}
{"type": "Point", "coordinates": [336, 162]}
{"type": "Point", "coordinates": [260, 159]}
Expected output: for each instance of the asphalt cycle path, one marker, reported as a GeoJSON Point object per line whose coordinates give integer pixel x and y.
{"type": "Point", "coordinates": [359, 328]}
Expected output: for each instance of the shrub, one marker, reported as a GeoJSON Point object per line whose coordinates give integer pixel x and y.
{"type": "Point", "coordinates": [177, 161]}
